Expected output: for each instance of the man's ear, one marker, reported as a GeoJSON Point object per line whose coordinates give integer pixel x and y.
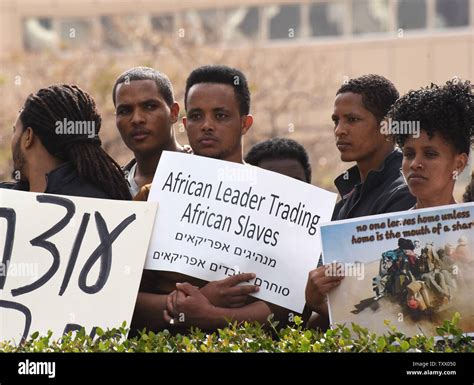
{"type": "Point", "coordinates": [28, 137]}
{"type": "Point", "coordinates": [174, 112]}
{"type": "Point", "coordinates": [246, 124]}
{"type": "Point", "coordinates": [185, 122]}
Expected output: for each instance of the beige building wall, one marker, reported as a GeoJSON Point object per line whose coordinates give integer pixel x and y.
{"type": "Point", "coordinates": [416, 58]}
{"type": "Point", "coordinates": [413, 60]}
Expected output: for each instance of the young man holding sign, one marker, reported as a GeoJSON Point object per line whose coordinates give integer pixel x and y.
{"type": "Point", "coordinates": [375, 185]}
{"type": "Point", "coordinates": [217, 101]}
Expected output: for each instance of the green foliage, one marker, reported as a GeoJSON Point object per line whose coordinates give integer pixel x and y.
{"type": "Point", "coordinates": [252, 337]}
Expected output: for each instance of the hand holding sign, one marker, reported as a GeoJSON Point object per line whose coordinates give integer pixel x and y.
{"type": "Point", "coordinates": [226, 293]}
{"type": "Point", "coordinates": [187, 306]}
{"type": "Point", "coordinates": [318, 286]}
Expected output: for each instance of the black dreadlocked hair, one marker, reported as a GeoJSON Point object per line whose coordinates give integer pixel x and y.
{"type": "Point", "coordinates": [280, 148]}
{"type": "Point", "coordinates": [378, 93]}
{"type": "Point", "coordinates": [42, 112]}
{"type": "Point", "coordinates": [447, 110]}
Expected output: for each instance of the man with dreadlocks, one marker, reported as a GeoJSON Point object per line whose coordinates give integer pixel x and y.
{"type": "Point", "coordinates": [54, 153]}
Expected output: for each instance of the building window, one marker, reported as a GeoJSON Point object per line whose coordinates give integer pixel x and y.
{"type": "Point", "coordinates": [285, 21]}
{"type": "Point", "coordinates": [200, 26]}
{"type": "Point", "coordinates": [452, 13]}
{"type": "Point", "coordinates": [241, 24]}
{"type": "Point", "coordinates": [412, 14]}
{"type": "Point", "coordinates": [162, 23]}
{"type": "Point", "coordinates": [113, 36]}
{"type": "Point", "coordinates": [369, 16]}
{"type": "Point", "coordinates": [327, 19]}
{"type": "Point", "coordinates": [38, 34]}
{"type": "Point", "coordinates": [74, 32]}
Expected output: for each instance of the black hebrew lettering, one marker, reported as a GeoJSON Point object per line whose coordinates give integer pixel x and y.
{"type": "Point", "coordinates": [104, 252]}
{"type": "Point", "coordinates": [10, 216]}
{"type": "Point", "coordinates": [41, 241]}
{"type": "Point", "coordinates": [74, 252]}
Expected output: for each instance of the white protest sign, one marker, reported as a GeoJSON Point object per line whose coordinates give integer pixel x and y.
{"type": "Point", "coordinates": [69, 262]}
{"type": "Point", "coordinates": [216, 219]}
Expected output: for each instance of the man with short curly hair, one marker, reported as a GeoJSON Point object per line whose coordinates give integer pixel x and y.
{"type": "Point", "coordinates": [375, 185]}
{"type": "Point", "coordinates": [281, 155]}
{"type": "Point", "coordinates": [145, 112]}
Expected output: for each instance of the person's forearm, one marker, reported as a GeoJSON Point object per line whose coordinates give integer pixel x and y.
{"type": "Point", "coordinates": [149, 312]}
{"type": "Point", "coordinates": [256, 311]}
{"type": "Point", "coordinates": [318, 321]}
{"type": "Point", "coordinates": [320, 308]}
{"type": "Point", "coordinates": [323, 310]}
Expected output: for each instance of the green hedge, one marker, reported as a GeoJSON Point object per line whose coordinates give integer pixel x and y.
{"type": "Point", "coordinates": [252, 337]}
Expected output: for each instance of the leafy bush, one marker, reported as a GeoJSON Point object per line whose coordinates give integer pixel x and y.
{"type": "Point", "coordinates": [252, 337]}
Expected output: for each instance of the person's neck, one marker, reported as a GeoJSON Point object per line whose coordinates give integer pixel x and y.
{"type": "Point", "coordinates": [147, 164]}
{"type": "Point", "coordinates": [437, 200]}
{"type": "Point", "coordinates": [373, 163]}
{"type": "Point", "coordinates": [235, 158]}
{"type": "Point", "coordinates": [37, 174]}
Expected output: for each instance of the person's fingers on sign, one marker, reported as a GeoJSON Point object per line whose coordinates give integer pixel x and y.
{"type": "Point", "coordinates": [226, 293]}
{"type": "Point", "coordinates": [185, 301]}
{"type": "Point", "coordinates": [191, 307]}
{"type": "Point", "coordinates": [320, 282]}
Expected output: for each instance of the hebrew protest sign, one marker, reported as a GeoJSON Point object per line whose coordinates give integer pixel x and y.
{"type": "Point", "coordinates": [69, 262]}
{"type": "Point", "coordinates": [216, 219]}
{"type": "Point", "coordinates": [413, 268]}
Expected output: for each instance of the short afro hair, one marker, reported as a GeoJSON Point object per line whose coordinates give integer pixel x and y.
{"type": "Point", "coordinates": [378, 93]}
{"type": "Point", "coordinates": [280, 148]}
{"type": "Point", "coordinates": [222, 75]}
{"type": "Point", "coordinates": [146, 73]}
{"type": "Point", "coordinates": [447, 110]}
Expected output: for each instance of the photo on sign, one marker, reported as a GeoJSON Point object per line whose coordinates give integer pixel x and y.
{"type": "Point", "coordinates": [414, 269]}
